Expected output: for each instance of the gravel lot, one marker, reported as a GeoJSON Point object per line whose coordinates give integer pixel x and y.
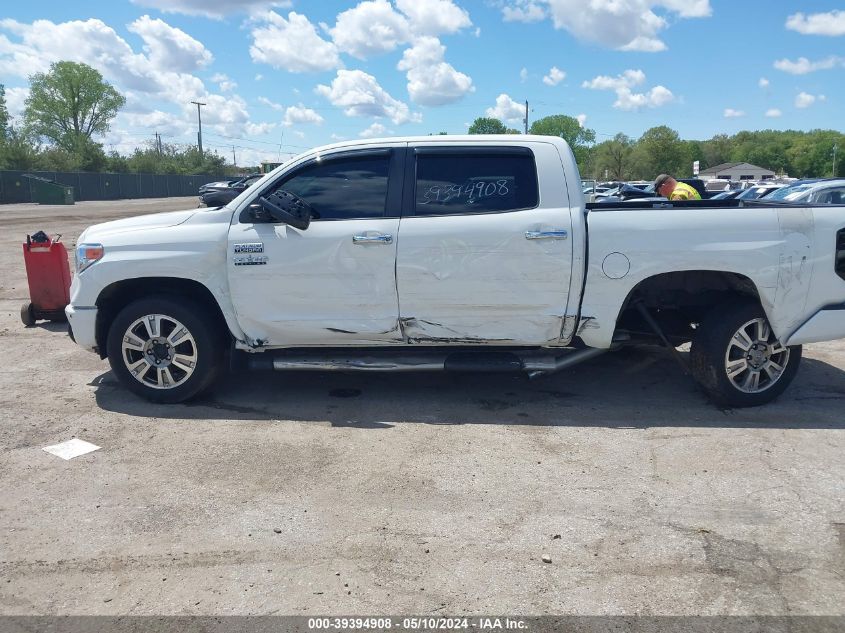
{"type": "Point", "coordinates": [396, 494]}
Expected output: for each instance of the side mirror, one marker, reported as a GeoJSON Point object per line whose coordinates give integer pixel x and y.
{"type": "Point", "coordinates": [284, 206]}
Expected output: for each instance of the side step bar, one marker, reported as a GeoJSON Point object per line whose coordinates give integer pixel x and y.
{"type": "Point", "coordinates": [534, 364]}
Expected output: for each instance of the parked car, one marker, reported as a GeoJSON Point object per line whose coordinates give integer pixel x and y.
{"type": "Point", "coordinates": [824, 192]}
{"type": "Point", "coordinates": [758, 191]}
{"type": "Point", "coordinates": [454, 253]}
{"type": "Point", "coordinates": [793, 188]}
{"type": "Point", "coordinates": [218, 194]}
{"type": "Point", "coordinates": [725, 195]}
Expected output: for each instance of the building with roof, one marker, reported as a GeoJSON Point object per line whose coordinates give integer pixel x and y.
{"type": "Point", "coordinates": [736, 172]}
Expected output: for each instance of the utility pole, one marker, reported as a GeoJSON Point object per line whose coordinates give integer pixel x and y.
{"type": "Point", "coordinates": [199, 121]}
{"type": "Point", "coordinates": [834, 160]}
{"type": "Point", "coordinates": [525, 120]}
{"type": "Point", "coordinates": [234, 159]}
{"type": "Point", "coordinates": [158, 144]}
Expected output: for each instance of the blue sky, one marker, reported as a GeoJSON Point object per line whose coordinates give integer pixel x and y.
{"type": "Point", "coordinates": [301, 73]}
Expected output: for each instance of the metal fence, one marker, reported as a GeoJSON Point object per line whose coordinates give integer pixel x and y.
{"type": "Point", "coordinates": [87, 186]}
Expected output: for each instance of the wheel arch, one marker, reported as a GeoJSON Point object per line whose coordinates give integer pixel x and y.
{"type": "Point", "coordinates": [114, 297]}
{"type": "Point", "coordinates": [689, 293]}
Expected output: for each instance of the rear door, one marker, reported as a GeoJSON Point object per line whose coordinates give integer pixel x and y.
{"type": "Point", "coordinates": [333, 283]}
{"type": "Point", "coordinates": [485, 253]}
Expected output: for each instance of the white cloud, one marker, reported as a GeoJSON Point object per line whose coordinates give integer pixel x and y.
{"type": "Point", "coordinates": [804, 100]}
{"type": "Point", "coordinates": [431, 81]}
{"type": "Point", "coordinates": [524, 11]}
{"type": "Point", "coordinates": [730, 113]}
{"type": "Point", "coordinates": [271, 104]}
{"type": "Point", "coordinates": [301, 114]}
{"type": "Point", "coordinates": [763, 83]}
{"type": "Point", "coordinates": [555, 76]}
{"type": "Point", "coordinates": [16, 101]}
{"type": "Point", "coordinates": [434, 17]}
{"type": "Point", "coordinates": [292, 44]}
{"type": "Point", "coordinates": [773, 113]}
{"type": "Point", "coordinates": [169, 47]}
{"type": "Point", "coordinates": [359, 94]}
{"type": "Point", "coordinates": [802, 65]}
{"type": "Point", "coordinates": [370, 28]}
{"type": "Point", "coordinates": [160, 75]}
{"type": "Point", "coordinates": [831, 24]}
{"type": "Point", "coordinates": [582, 119]}
{"type": "Point", "coordinates": [627, 25]}
{"type": "Point", "coordinates": [506, 109]}
{"type": "Point", "coordinates": [523, 74]}
{"type": "Point", "coordinates": [626, 98]}
{"type": "Point", "coordinates": [373, 27]}
{"type": "Point", "coordinates": [259, 77]}
{"type": "Point", "coordinates": [628, 79]}
{"type": "Point", "coordinates": [211, 8]}
{"type": "Point", "coordinates": [223, 81]}
{"type": "Point", "coordinates": [375, 130]}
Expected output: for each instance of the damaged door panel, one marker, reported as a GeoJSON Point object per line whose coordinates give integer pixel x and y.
{"type": "Point", "coordinates": [485, 251]}
{"type": "Point", "coordinates": [334, 282]}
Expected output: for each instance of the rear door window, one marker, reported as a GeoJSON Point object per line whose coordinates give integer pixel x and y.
{"type": "Point", "coordinates": [457, 183]}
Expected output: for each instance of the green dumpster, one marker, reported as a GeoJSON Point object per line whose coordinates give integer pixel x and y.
{"type": "Point", "coordinates": [45, 191]}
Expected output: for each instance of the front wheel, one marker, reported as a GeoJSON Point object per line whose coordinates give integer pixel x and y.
{"type": "Point", "coordinates": [737, 359]}
{"type": "Point", "coordinates": [164, 349]}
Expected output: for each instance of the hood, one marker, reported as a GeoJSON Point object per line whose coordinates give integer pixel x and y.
{"type": "Point", "coordinates": [217, 185]}
{"type": "Point", "coordinates": [139, 223]}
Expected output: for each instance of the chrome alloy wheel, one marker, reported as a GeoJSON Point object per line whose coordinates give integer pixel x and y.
{"type": "Point", "coordinates": [159, 351]}
{"type": "Point", "coordinates": [755, 360]}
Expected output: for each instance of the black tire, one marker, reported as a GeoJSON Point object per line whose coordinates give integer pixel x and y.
{"type": "Point", "coordinates": [718, 346]}
{"type": "Point", "coordinates": [202, 349]}
{"type": "Point", "coordinates": [28, 315]}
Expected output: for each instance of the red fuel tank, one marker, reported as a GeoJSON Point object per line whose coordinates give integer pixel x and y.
{"type": "Point", "coordinates": [48, 274]}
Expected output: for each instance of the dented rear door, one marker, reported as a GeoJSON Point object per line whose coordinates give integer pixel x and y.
{"type": "Point", "coordinates": [485, 245]}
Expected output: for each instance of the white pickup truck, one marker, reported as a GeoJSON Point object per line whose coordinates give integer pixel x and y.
{"type": "Point", "coordinates": [469, 253]}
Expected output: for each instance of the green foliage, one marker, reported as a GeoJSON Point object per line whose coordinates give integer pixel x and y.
{"type": "Point", "coordinates": [489, 125]}
{"type": "Point", "coordinates": [569, 129]}
{"type": "Point", "coordinates": [174, 159]}
{"type": "Point", "coordinates": [4, 115]}
{"type": "Point", "coordinates": [660, 150]}
{"type": "Point", "coordinates": [19, 150]}
{"type": "Point", "coordinates": [70, 104]}
{"type": "Point", "coordinates": [613, 160]}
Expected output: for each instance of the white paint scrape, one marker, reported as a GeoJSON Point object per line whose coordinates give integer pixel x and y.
{"type": "Point", "coordinates": [71, 448]}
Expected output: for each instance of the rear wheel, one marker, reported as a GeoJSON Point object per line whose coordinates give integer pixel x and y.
{"type": "Point", "coordinates": [164, 349]}
{"type": "Point", "coordinates": [737, 359]}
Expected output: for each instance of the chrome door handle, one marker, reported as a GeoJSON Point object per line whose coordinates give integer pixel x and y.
{"type": "Point", "coordinates": [546, 235]}
{"type": "Point", "coordinates": [381, 238]}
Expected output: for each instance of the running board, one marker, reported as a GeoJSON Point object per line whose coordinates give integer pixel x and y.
{"type": "Point", "coordinates": [504, 362]}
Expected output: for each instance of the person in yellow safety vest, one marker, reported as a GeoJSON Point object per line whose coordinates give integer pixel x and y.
{"type": "Point", "coordinates": [665, 185]}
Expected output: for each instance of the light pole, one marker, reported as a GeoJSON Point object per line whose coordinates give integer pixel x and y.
{"type": "Point", "coordinates": [834, 160]}
{"type": "Point", "coordinates": [199, 121]}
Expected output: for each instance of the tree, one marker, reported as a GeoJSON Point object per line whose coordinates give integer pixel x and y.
{"type": "Point", "coordinates": [614, 158]}
{"type": "Point", "coordinates": [489, 125]}
{"type": "Point", "coordinates": [70, 104]}
{"type": "Point", "coordinates": [569, 129]}
{"type": "Point", "coordinates": [4, 115]}
{"type": "Point", "coordinates": [660, 150]}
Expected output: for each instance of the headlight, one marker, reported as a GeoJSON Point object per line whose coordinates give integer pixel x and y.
{"type": "Point", "coordinates": [87, 254]}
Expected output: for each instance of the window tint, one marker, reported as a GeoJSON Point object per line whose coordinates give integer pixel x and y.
{"type": "Point", "coordinates": [344, 188]}
{"type": "Point", "coordinates": [833, 196]}
{"type": "Point", "coordinates": [449, 184]}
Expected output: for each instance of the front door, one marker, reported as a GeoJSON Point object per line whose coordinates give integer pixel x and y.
{"type": "Point", "coordinates": [333, 283]}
